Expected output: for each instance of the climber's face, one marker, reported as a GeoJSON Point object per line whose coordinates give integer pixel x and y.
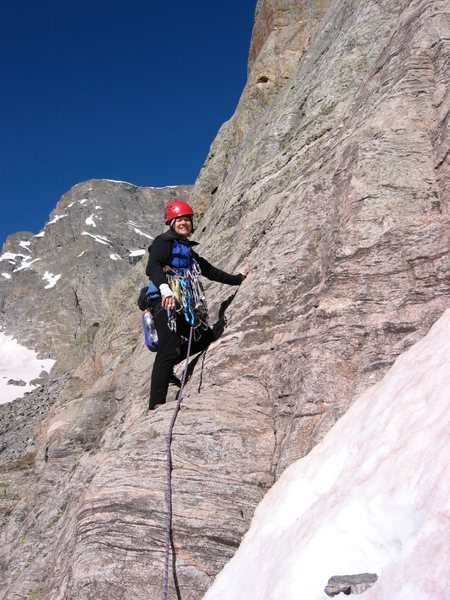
{"type": "Point", "coordinates": [183, 226]}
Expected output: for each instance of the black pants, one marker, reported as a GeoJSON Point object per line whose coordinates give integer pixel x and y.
{"type": "Point", "coordinates": [172, 349]}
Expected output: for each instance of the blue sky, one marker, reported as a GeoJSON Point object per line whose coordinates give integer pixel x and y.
{"type": "Point", "coordinates": [132, 90]}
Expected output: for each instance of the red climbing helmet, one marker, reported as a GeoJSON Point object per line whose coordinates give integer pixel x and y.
{"type": "Point", "coordinates": [175, 209]}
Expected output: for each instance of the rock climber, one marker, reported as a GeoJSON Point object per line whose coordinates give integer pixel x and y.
{"type": "Point", "coordinates": [176, 297]}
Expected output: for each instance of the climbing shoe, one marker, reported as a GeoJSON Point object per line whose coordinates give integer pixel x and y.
{"type": "Point", "coordinates": [173, 380]}
{"type": "Point", "coordinates": [155, 406]}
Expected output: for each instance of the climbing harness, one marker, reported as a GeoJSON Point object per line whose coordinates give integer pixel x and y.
{"type": "Point", "coordinates": [169, 474]}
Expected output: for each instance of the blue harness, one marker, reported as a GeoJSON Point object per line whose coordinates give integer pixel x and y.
{"type": "Point", "coordinates": [181, 258]}
{"type": "Point", "coordinates": [180, 261]}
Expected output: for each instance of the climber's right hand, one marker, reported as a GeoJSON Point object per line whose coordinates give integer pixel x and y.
{"type": "Point", "coordinates": [168, 302]}
{"type": "Point", "coordinates": [167, 297]}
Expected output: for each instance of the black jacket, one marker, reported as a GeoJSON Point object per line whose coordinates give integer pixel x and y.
{"type": "Point", "coordinates": [160, 253]}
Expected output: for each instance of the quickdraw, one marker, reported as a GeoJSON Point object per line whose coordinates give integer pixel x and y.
{"type": "Point", "coordinates": [188, 291]}
{"type": "Point", "coordinates": [171, 321]}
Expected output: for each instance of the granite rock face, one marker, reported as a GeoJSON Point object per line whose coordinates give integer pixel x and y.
{"type": "Point", "coordinates": [350, 584]}
{"type": "Point", "coordinates": [334, 189]}
{"type": "Point", "coordinates": [282, 33]}
{"type": "Point", "coordinates": [55, 285]}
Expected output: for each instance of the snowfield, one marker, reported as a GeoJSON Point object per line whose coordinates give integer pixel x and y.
{"type": "Point", "coordinates": [18, 363]}
{"type": "Point", "coordinates": [372, 497]}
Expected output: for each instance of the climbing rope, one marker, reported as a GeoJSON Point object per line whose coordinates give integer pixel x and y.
{"type": "Point", "coordinates": [169, 505]}
{"type": "Point", "coordinates": [169, 474]}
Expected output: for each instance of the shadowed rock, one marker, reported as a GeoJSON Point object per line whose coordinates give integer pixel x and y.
{"type": "Point", "coordinates": [350, 584]}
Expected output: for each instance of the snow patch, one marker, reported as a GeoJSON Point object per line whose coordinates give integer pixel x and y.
{"type": "Point", "coordinates": [90, 221]}
{"type": "Point", "coordinates": [115, 257]}
{"type": "Point", "coordinates": [372, 497]}
{"type": "Point", "coordinates": [166, 187]}
{"type": "Point", "coordinates": [11, 257]}
{"type": "Point", "coordinates": [56, 219]}
{"type": "Point", "coordinates": [82, 202]}
{"type": "Point", "coordinates": [18, 363]}
{"type": "Point", "coordinates": [52, 279]}
{"type": "Point", "coordinates": [25, 245]}
{"type": "Point", "coordinates": [6, 275]}
{"type": "Point", "coordinates": [137, 253]}
{"type": "Point", "coordinates": [40, 234]}
{"type": "Point", "coordinates": [98, 238]}
{"type": "Point", "coordinates": [26, 261]}
{"type": "Point", "coordinates": [138, 231]}
{"type": "Point", "coordinates": [116, 181]}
